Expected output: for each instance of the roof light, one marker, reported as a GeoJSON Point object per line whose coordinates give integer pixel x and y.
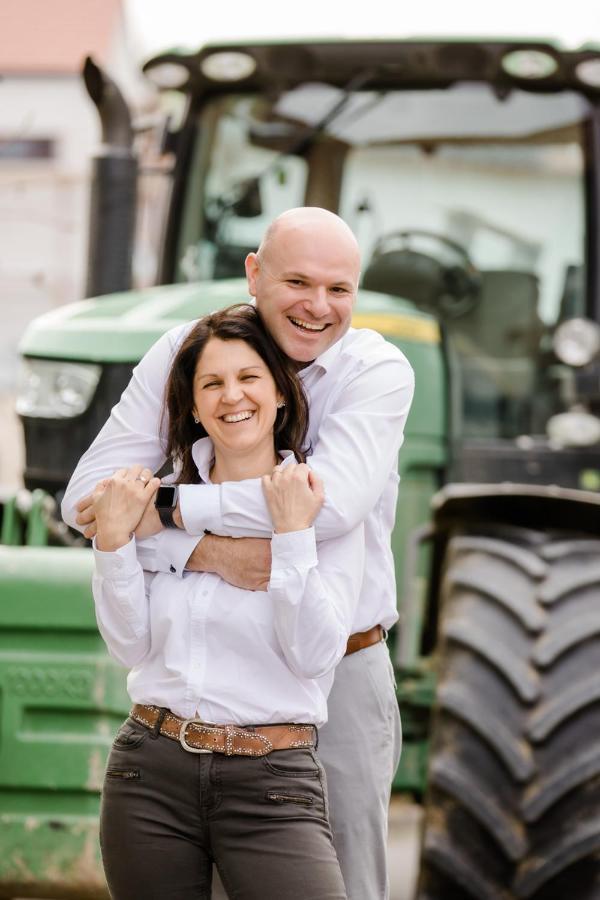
{"type": "Point", "coordinates": [529, 64]}
{"type": "Point", "coordinates": [168, 76]}
{"type": "Point", "coordinates": [230, 65]}
{"type": "Point", "coordinates": [588, 72]}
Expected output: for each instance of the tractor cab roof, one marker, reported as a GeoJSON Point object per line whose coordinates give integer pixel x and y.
{"type": "Point", "coordinates": [539, 66]}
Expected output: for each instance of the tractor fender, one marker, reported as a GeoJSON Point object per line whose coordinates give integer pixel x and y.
{"type": "Point", "coordinates": [520, 505]}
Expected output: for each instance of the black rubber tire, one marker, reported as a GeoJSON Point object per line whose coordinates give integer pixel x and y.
{"type": "Point", "coordinates": [513, 801]}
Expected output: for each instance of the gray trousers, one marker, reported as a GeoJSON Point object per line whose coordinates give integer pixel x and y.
{"type": "Point", "coordinates": [167, 814]}
{"type": "Point", "coordinates": [360, 748]}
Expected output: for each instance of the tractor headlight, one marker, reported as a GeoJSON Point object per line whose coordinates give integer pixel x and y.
{"type": "Point", "coordinates": [577, 341]}
{"type": "Point", "coordinates": [53, 389]}
{"type": "Point", "coordinates": [574, 429]}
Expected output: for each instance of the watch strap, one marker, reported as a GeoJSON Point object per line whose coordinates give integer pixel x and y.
{"type": "Point", "coordinates": [166, 516]}
{"type": "Point", "coordinates": [165, 510]}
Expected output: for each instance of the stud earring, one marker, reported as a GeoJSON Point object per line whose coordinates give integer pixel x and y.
{"type": "Point", "coordinates": [281, 404]}
{"type": "Point", "coordinates": [197, 421]}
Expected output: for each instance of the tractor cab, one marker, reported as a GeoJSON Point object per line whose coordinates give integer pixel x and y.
{"type": "Point", "coordinates": [469, 175]}
{"type": "Point", "coordinates": [468, 172]}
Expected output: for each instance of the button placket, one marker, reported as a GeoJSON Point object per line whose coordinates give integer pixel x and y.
{"type": "Point", "coordinates": [199, 604]}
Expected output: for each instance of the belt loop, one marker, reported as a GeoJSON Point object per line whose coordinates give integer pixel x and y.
{"type": "Point", "coordinates": [229, 732]}
{"type": "Point", "coordinates": [162, 712]}
{"type": "Point", "coordinates": [316, 738]}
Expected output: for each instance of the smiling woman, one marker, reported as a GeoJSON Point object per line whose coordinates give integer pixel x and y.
{"type": "Point", "coordinates": [230, 381]}
{"type": "Point", "coordinates": [236, 401]}
{"type": "Point", "coordinates": [258, 663]}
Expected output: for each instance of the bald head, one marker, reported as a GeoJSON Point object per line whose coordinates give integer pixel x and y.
{"type": "Point", "coordinates": [314, 223]}
{"type": "Point", "coordinates": [305, 278]}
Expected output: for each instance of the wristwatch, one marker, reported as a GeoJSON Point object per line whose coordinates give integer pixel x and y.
{"type": "Point", "coordinates": [165, 502]}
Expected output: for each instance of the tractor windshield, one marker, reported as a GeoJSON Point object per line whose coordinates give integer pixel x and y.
{"type": "Point", "coordinates": [468, 202]}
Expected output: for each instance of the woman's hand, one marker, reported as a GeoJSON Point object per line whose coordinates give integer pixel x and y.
{"type": "Point", "coordinates": [119, 504]}
{"type": "Point", "coordinates": [294, 496]}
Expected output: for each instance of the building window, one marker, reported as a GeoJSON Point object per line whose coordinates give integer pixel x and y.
{"type": "Point", "coordinates": [26, 148]}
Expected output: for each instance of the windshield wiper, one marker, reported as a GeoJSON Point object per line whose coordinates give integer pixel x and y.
{"type": "Point", "coordinates": [246, 202]}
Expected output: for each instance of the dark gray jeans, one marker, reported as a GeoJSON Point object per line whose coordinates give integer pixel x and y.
{"type": "Point", "coordinates": [168, 814]}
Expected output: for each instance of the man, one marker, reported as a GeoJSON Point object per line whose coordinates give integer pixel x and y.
{"type": "Point", "coordinates": [305, 279]}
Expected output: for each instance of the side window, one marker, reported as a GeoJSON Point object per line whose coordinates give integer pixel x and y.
{"type": "Point", "coordinates": [245, 186]}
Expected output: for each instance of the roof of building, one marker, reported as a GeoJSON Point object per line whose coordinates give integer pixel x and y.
{"type": "Point", "coordinates": [41, 37]}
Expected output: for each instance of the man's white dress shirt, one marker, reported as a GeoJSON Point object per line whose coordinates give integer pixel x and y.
{"type": "Point", "coordinates": [202, 647]}
{"type": "Point", "coordinates": [359, 390]}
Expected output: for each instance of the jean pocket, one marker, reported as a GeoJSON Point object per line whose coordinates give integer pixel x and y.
{"type": "Point", "coordinates": [287, 797]}
{"type": "Point", "coordinates": [292, 764]}
{"type": "Point", "coordinates": [115, 773]}
{"type": "Point", "coordinates": [296, 793]}
{"type": "Point", "coordinates": [130, 736]}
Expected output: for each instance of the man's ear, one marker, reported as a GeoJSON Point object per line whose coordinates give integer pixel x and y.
{"type": "Point", "coordinates": [252, 269]}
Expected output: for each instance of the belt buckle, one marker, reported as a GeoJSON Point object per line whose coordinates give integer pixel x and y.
{"type": "Point", "coordinates": [183, 741]}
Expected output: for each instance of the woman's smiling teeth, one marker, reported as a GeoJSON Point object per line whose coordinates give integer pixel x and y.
{"type": "Point", "coordinates": [239, 416]}
{"type": "Point", "coordinates": [307, 326]}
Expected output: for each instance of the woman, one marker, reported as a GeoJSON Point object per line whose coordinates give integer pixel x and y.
{"type": "Point", "coordinates": [217, 761]}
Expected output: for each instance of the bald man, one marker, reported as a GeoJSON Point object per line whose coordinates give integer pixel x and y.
{"type": "Point", "coordinates": [304, 279]}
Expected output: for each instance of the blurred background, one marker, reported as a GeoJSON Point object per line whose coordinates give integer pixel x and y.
{"type": "Point", "coordinates": [49, 129]}
{"type": "Point", "coordinates": [49, 132]}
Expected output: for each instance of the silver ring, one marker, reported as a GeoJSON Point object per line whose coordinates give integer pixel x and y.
{"type": "Point", "coordinates": [143, 480]}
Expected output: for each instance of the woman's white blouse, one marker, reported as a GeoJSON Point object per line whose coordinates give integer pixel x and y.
{"type": "Point", "coordinates": [202, 647]}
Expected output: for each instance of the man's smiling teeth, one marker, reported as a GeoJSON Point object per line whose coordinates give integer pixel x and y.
{"type": "Point", "coordinates": [238, 417]}
{"type": "Point", "coordinates": [309, 327]}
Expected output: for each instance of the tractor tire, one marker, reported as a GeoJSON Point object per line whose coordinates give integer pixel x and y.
{"type": "Point", "coordinates": [513, 802]}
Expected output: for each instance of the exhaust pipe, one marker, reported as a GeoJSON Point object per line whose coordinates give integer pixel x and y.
{"type": "Point", "coordinates": [113, 190]}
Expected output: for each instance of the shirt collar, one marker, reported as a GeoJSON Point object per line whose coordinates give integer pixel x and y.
{"type": "Point", "coordinates": [203, 454]}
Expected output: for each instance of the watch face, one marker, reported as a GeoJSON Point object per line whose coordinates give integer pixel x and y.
{"type": "Point", "coordinates": [165, 496]}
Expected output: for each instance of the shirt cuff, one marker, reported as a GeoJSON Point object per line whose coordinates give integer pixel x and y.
{"type": "Point", "coordinates": [294, 548]}
{"type": "Point", "coordinates": [121, 563]}
{"type": "Point", "coordinates": [200, 506]}
{"type": "Point", "coordinates": [174, 549]}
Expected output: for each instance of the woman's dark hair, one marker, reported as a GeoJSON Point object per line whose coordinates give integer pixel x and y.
{"type": "Point", "coordinates": [241, 322]}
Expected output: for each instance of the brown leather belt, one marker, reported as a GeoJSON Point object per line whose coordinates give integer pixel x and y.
{"type": "Point", "coordinates": [197, 736]}
{"type": "Point", "coordinates": [363, 639]}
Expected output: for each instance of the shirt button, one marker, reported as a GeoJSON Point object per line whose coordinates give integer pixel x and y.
{"type": "Point", "coordinates": [172, 569]}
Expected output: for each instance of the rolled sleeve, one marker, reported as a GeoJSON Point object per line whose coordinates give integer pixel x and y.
{"type": "Point", "coordinates": [315, 598]}
{"type": "Point", "coordinates": [294, 549]}
{"type": "Point", "coordinates": [117, 565]}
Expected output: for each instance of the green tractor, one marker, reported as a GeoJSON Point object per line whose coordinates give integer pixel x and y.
{"type": "Point", "coordinates": [470, 173]}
